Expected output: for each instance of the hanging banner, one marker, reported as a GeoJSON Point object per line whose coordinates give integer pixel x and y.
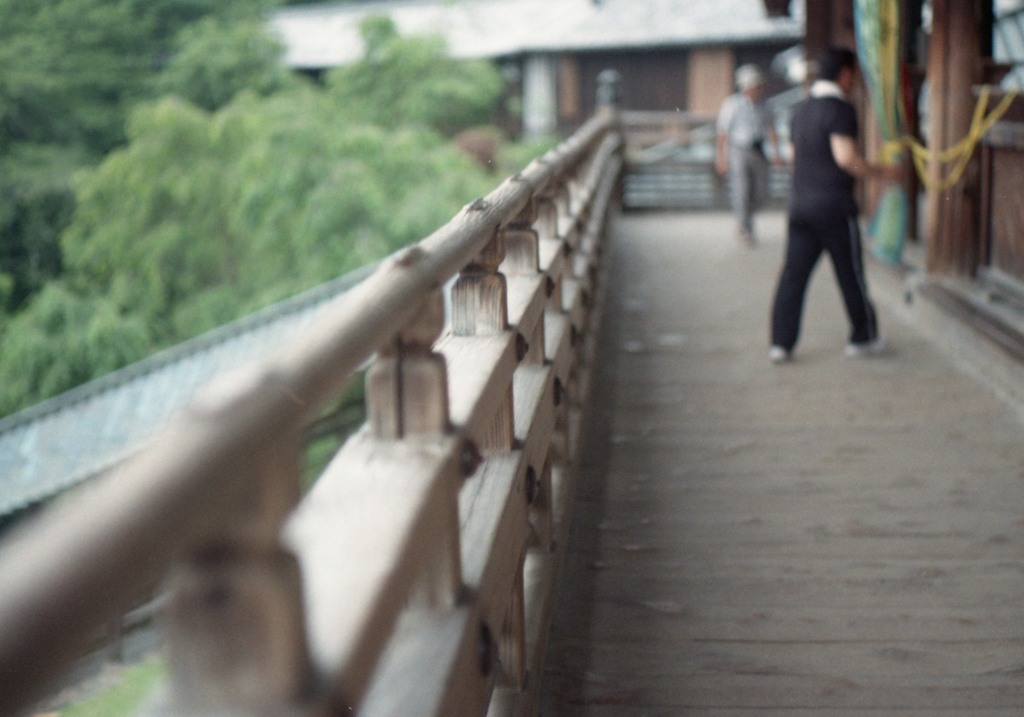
{"type": "Point", "coordinates": [877, 26]}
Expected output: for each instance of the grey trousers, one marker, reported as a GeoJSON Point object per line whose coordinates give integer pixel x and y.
{"type": "Point", "coordinates": [748, 184]}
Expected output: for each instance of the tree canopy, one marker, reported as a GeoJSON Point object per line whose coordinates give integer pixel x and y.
{"type": "Point", "coordinates": [414, 80]}
{"type": "Point", "coordinates": [70, 71]}
{"type": "Point", "coordinates": [225, 182]}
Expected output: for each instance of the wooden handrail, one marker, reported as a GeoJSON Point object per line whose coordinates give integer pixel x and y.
{"type": "Point", "coordinates": [649, 128]}
{"type": "Point", "coordinates": [375, 559]}
{"type": "Point", "coordinates": [633, 118]}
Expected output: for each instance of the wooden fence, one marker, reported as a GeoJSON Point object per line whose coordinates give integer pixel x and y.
{"type": "Point", "coordinates": [646, 128]}
{"type": "Point", "coordinates": [419, 574]}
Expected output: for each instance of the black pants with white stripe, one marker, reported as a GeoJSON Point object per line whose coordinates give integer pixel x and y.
{"type": "Point", "coordinates": [808, 238]}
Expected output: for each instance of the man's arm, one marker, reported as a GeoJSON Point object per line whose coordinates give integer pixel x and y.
{"type": "Point", "coordinates": [773, 137]}
{"type": "Point", "coordinates": [722, 153]}
{"type": "Point", "coordinates": [844, 152]}
{"type": "Point", "coordinates": [722, 127]}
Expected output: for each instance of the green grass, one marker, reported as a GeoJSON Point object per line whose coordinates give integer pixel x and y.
{"type": "Point", "coordinates": [126, 697]}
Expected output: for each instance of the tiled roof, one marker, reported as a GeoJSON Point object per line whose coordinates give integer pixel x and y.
{"type": "Point", "coordinates": [56, 444]}
{"type": "Point", "coordinates": [327, 35]}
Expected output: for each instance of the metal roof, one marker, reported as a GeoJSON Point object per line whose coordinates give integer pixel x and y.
{"type": "Point", "coordinates": [327, 35]}
{"type": "Point", "coordinates": [56, 444]}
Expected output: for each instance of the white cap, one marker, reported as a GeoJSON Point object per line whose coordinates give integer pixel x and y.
{"type": "Point", "coordinates": [748, 76]}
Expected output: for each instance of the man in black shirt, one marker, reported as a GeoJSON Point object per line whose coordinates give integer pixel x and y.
{"type": "Point", "coordinates": [823, 211]}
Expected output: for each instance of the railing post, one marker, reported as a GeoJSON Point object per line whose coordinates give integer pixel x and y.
{"type": "Point", "coordinates": [407, 386]}
{"type": "Point", "coordinates": [522, 258]}
{"type": "Point", "coordinates": [236, 631]}
{"type": "Point", "coordinates": [480, 294]}
{"type": "Point", "coordinates": [407, 395]}
{"type": "Point", "coordinates": [235, 618]}
{"type": "Point", "coordinates": [480, 308]}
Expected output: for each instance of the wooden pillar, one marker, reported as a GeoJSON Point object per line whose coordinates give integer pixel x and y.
{"type": "Point", "coordinates": [235, 620]}
{"type": "Point", "coordinates": [539, 95]}
{"type": "Point", "coordinates": [819, 28]}
{"type": "Point", "coordinates": [829, 24]}
{"type": "Point", "coordinates": [407, 386]}
{"type": "Point", "coordinates": [954, 66]}
{"type": "Point", "coordinates": [913, 56]}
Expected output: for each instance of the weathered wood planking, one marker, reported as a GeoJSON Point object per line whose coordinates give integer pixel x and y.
{"type": "Point", "coordinates": [535, 415]}
{"type": "Point", "coordinates": [430, 658]}
{"type": "Point", "coordinates": [611, 706]}
{"type": "Point", "coordinates": [385, 502]}
{"type": "Point", "coordinates": [553, 257]}
{"type": "Point", "coordinates": [737, 694]}
{"type": "Point", "coordinates": [526, 298]}
{"type": "Point", "coordinates": [829, 537]}
{"type": "Point", "coordinates": [484, 365]}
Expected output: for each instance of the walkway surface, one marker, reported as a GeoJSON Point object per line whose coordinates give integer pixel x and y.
{"type": "Point", "coordinates": [827, 537]}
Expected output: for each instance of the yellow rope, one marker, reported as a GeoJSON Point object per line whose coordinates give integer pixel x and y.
{"type": "Point", "coordinates": [960, 153]}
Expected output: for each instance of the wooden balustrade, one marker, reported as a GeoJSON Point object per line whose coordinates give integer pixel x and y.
{"type": "Point", "coordinates": [644, 128]}
{"type": "Point", "coordinates": [419, 575]}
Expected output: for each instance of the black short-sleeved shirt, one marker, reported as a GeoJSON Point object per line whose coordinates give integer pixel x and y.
{"type": "Point", "coordinates": [820, 187]}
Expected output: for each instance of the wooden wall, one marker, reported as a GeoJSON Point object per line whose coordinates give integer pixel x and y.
{"type": "Point", "coordinates": [681, 79]}
{"type": "Point", "coordinates": [710, 78]}
{"type": "Point", "coordinates": [1002, 180]}
{"type": "Point", "coordinates": [1007, 212]}
{"type": "Point", "coordinates": [651, 79]}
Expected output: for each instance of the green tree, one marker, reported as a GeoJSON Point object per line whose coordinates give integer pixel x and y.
{"type": "Point", "coordinates": [203, 216]}
{"type": "Point", "coordinates": [215, 59]}
{"type": "Point", "coordinates": [66, 339]}
{"type": "Point", "coordinates": [36, 201]}
{"type": "Point", "coordinates": [414, 80]}
{"type": "Point", "coordinates": [70, 70]}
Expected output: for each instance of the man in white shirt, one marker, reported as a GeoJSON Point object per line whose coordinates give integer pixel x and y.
{"type": "Point", "coordinates": [743, 126]}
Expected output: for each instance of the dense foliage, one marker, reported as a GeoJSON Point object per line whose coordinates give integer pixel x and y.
{"type": "Point", "coordinates": [69, 72]}
{"type": "Point", "coordinates": [414, 81]}
{"type": "Point", "coordinates": [208, 187]}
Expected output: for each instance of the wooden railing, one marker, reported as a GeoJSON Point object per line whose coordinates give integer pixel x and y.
{"type": "Point", "coordinates": [418, 576]}
{"type": "Point", "coordinates": [645, 128]}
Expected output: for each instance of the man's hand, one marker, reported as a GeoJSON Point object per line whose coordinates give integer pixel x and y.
{"type": "Point", "coordinates": [844, 152]}
{"type": "Point", "coordinates": [721, 165]}
{"type": "Point", "coordinates": [722, 155]}
{"type": "Point", "coordinates": [777, 159]}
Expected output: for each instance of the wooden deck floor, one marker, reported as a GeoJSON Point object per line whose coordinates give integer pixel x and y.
{"type": "Point", "coordinates": [828, 537]}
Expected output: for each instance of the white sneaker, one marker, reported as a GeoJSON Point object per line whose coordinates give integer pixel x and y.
{"type": "Point", "coordinates": [868, 349]}
{"type": "Point", "coordinates": [777, 354]}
